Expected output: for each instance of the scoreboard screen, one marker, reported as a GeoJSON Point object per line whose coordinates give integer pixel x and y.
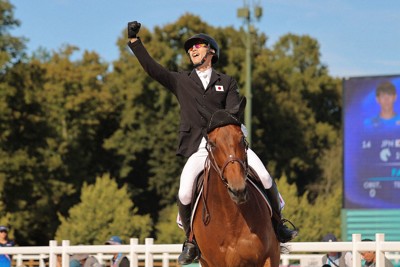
{"type": "Point", "coordinates": [371, 149]}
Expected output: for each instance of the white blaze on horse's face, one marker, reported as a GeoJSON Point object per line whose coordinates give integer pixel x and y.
{"type": "Point", "coordinates": [229, 155]}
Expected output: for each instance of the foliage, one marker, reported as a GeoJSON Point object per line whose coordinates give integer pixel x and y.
{"type": "Point", "coordinates": [10, 47]}
{"type": "Point", "coordinates": [313, 220]}
{"type": "Point", "coordinates": [104, 211]}
{"type": "Point", "coordinates": [54, 116]}
{"type": "Point", "coordinates": [23, 134]}
{"type": "Point", "coordinates": [298, 109]}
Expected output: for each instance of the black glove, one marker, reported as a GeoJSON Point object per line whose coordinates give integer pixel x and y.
{"type": "Point", "coordinates": [133, 29]}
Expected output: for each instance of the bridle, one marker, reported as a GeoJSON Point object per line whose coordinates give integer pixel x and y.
{"type": "Point", "coordinates": [231, 159]}
{"type": "Point", "coordinates": [211, 160]}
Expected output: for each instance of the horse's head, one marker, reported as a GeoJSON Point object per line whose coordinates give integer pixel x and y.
{"type": "Point", "coordinates": [227, 149]}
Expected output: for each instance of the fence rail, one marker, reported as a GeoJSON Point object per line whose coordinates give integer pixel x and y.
{"type": "Point", "coordinates": [165, 255]}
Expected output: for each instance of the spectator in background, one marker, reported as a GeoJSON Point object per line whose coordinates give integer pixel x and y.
{"type": "Point", "coordinates": [58, 262]}
{"type": "Point", "coordinates": [370, 258]}
{"type": "Point", "coordinates": [92, 261]}
{"type": "Point", "coordinates": [75, 263]}
{"type": "Point", "coordinates": [336, 259]}
{"type": "Point", "coordinates": [83, 260]}
{"type": "Point", "coordinates": [118, 259]}
{"type": "Point", "coordinates": [5, 260]}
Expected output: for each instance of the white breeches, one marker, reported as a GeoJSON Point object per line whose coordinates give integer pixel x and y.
{"type": "Point", "coordinates": [195, 164]}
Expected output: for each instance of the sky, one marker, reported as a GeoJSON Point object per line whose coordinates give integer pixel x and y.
{"type": "Point", "coordinates": [356, 37]}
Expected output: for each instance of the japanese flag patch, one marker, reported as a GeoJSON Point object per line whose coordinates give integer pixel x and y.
{"type": "Point", "coordinates": [219, 88]}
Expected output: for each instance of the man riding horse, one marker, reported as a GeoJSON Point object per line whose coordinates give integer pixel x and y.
{"type": "Point", "coordinates": [214, 90]}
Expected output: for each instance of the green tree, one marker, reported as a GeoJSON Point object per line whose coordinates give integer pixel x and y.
{"type": "Point", "coordinates": [329, 188]}
{"type": "Point", "coordinates": [11, 47]}
{"type": "Point", "coordinates": [79, 116]}
{"type": "Point", "coordinates": [80, 111]}
{"type": "Point", "coordinates": [314, 220]}
{"type": "Point", "coordinates": [297, 112]}
{"type": "Point", "coordinates": [54, 114]}
{"type": "Point", "coordinates": [104, 210]}
{"type": "Point", "coordinates": [23, 133]}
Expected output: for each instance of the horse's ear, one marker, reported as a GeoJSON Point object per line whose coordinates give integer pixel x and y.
{"type": "Point", "coordinates": [203, 110]}
{"type": "Point", "coordinates": [238, 110]}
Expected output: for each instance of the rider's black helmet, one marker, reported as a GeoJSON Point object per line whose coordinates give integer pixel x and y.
{"type": "Point", "coordinates": [202, 37]}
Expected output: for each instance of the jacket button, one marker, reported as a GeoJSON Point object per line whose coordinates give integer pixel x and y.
{"type": "Point", "coordinates": [204, 96]}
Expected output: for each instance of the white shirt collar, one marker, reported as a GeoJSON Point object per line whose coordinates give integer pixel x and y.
{"type": "Point", "coordinates": [203, 74]}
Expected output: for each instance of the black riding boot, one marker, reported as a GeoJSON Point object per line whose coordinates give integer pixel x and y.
{"type": "Point", "coordinates": [283, 233]}
{"type": "Point", "coordinates": [190, 251]}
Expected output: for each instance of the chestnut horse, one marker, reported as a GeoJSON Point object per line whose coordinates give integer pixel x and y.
{"type": "Point", "coordinates": [232, 222]}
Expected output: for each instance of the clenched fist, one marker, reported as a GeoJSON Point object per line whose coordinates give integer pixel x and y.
{"type": "Point", "coordinates": [133, 29]}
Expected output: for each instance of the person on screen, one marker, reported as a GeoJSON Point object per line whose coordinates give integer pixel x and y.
{"type": "Point", "coordinates": [386, 97]}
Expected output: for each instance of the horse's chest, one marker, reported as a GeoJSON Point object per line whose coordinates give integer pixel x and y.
{"type": "Point", "coordinates": [245, 252]}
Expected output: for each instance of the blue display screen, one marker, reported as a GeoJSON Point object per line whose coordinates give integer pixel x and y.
{"type": "Point", "coordinates": [371, 142]}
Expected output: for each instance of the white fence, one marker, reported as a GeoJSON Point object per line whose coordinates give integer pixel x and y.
{"type": "Point", "coordinates": [150, 252]}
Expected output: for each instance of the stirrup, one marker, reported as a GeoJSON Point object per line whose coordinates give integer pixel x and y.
{"type": "Point", "coordinates": [287, 221]}
{"type": "Point", "coordinates": [284, 234]}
